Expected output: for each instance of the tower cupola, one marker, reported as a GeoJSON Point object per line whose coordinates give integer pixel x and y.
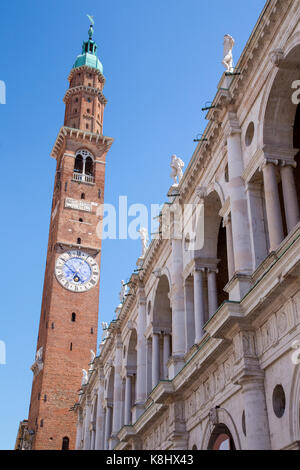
{"type": "Point", "coordinates": [88, 56]}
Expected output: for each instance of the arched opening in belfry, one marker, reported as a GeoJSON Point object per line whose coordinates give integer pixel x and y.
{"type": "Point", "coordinates": [78, 167]}
{"type": "Point", "coordinates": [84, 166]}
{"type": "Point", "coordinates": [162, 331]}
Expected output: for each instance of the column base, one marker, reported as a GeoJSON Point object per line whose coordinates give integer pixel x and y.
{"type": "Point", "coordinates": [238, 286]}
{"type": "Point", "coordinates": [175, 364]}
{"type": "Point", "coordinates": [137, 411]}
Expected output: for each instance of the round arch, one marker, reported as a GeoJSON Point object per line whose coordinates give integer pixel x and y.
{"type": "Point", "coordinates": [277, 112]}
{"type": "Point", "coordinates": [226, 420]}
{"type": "Point", "coordinates": [162, 313]}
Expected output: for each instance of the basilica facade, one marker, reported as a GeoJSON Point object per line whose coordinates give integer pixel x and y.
{"type": "Point", "coordinates": [204, 352]}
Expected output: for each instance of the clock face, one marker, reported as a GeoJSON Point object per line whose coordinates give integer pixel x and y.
{"type": "Point", "coordinates": [77, 271]}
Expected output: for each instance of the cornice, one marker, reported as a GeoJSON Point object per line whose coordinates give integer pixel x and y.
{"type": "Point", "coordinates": [80, 88]}
{"type": "Point", "coordinates": [102, 142]}
{"type": "Point", "coordinates": [86, 68]}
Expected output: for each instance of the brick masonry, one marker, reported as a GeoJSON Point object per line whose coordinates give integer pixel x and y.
{"type": "Point", "coordinates": [55, 388]}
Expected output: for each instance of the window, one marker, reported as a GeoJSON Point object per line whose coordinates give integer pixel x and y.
{"type": "Point", "coordinates": [80, 220]}
{"type": "Point", "coordinates": [88, 111]}
{"type": "Point", "coordinates": [99, 193]}
{"type": "Point", "coordinates": [82, 196]}
{"type": "Point", "coordinates": [279, 401]}
{"type": "Point", "coordinates": [66, 187]}
{"type": "Point", "coordinates": [84, 165]}
{"type": "Point", "coordinates": [89, 166]}
{"type": "Point", "coordinates": [65, 443]}
{"type": "Point", "coordinates": [42, 423]}
{"type": "Point", "coordinates": [78, 241]}
{"type": "Point", "coordinates": [45, 397]}
{"type": "Point", "coordinates": [92, 331]}
{"type": "Point", "coordinates": [86, 126]}
{"type": "Point", "coordinates": [73, 318]}
{"type": "Point", "coordinates": [71, 346]}
{"type": "Point", "coordinates": [52, 326]}
{"type": "Point", "coordinates": [78, 167]}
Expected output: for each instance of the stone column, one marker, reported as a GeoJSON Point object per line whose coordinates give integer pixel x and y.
{"type": "Point", "coordinates": [257, 424]}
{"type": "Point", "coordinates": [290, 196]}
{"type": "Point", "coordinates": [87, 422]}
{"type": "Point", "coordinates": [229, 243]}
{"type": "Point", "coordinates": [166, 354]}
{"type": "Point", "coordinates": [238, 200]}
{"type": "Point", "coordinates": [189, 314]}
{"type": "Point", "coordinates": [155, 360]}
{"type": "Point", "coordinates": [258, 233]}
{"type": "Point", "coordinates": [79, 430]}
{"type": "Point", "coordinates": [128, 401]}
{"type": "Point", "coordinates": [199, 306]}
{"type": "Point", "coordinates": [272, 206]}
{"type": "Point", "coordinates": [141, 371]}
{"type": "Point", "coordinates": [212, 291]}
{"type": "Point", "coordinates": [100, 419]}
{"type": "Point", "coordinates": [108, 415]}
{"type": "Point", "coordinates": [117, 414]}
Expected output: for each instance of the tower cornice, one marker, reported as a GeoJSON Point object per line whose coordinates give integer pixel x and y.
{"type": "Point", "coordinates": [102, 142]}
{"type": "Point", "coordinates": [79, 88]}
{"type": "Point", "coordinates": [88, 69]}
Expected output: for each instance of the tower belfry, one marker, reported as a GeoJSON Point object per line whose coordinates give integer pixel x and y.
{"type": "Point", "coordinates": [69, 313]}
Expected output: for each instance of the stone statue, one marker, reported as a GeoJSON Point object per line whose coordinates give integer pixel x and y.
{"type": "Point", "coordinates": [124, 291]}
{"type": "Point", "coordinates": [93, 355]}
{"type": "Point", "coordinates": [296, 354]}
{"type": "Point", "coordinates": [144, 238]}
{"type": "Point", "coordinates": [227, 56]}
{"type": "Point", "coordinates": [176, 166]}
{"type": "Point", "coordinates": [104, 332]}
{"type": "Point", "coordinates": [39, 355]}
{"type": "Point", "coordinates": [85, 377]}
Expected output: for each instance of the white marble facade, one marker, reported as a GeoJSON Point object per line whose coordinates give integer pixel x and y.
{"type": "Point", "coordinates": [200, 356]}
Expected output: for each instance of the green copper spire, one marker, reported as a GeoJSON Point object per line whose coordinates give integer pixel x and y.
{"type": "Point", "coordinates": [88, 55]}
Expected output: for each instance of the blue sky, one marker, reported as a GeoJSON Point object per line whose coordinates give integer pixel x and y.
{"type": "Point", "coordinates": [162, 62]}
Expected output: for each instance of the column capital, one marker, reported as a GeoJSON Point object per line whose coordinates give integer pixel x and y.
{"type": "Point", "coordinates": [268, 161]}
{"type": "Point", "coordinates": [231, 126]}
{"type": "Point", "coordinates": [201, 193]}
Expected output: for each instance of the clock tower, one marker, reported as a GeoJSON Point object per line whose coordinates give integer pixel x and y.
{"type": "Point", "coordinates": [69, 313]}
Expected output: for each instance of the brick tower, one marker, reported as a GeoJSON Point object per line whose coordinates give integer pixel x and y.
{"type": "Point", "coordinates": [69, 314]}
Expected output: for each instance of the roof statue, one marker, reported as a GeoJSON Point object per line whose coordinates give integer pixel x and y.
{"type": "Point", "coordinates": [176, 165]}
{"type": "Point", "coordinates": [144, 238]}
{"type": "Point", "coordinates": [91, 30]}
{"type": "Point", "coordinates": [227, 55]}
